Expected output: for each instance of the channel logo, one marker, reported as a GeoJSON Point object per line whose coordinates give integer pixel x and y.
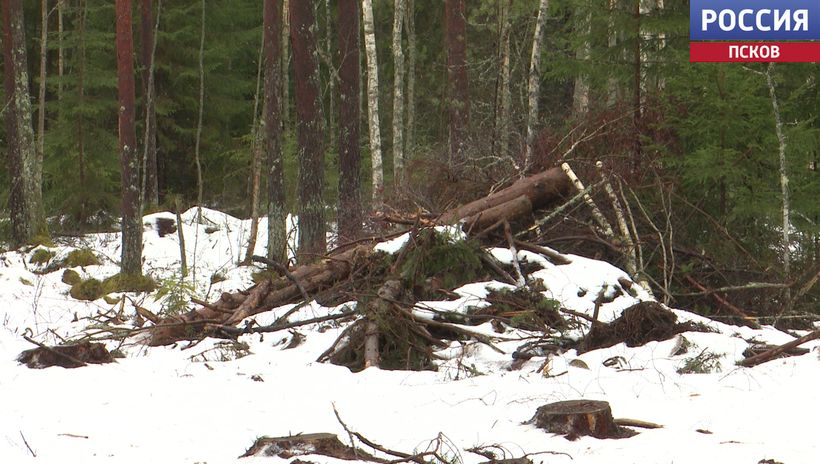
{"type": "Point", "coordinates": [754, 30]}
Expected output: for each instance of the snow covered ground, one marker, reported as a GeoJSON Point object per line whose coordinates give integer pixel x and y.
{"type": "Point", "coordinates": [174, 405]}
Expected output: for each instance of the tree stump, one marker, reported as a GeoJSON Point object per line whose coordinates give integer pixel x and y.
{"type": "Point", "coordinates": [576, 418]}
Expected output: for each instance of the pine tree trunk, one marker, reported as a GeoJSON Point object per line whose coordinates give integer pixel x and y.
{"type": "Point", "coordinates": [331, 81]}
{"type": "Point", "coordinates": [285, 63]}
{"type": "Point", "coordinates": [198, 142]}
{"type": "Point", "coordinates": [41, 111]}
{"type": "Point", "coordinates": [784, 178]}
{"type": "Point", "coordinates": [612, 42]}
{"type": "Point", "coordinates": [501, 141]}
{"type": "Point", "coordinates": [458, 91]}
{"type": "Point", "coordinates": [129, 161]}
{"type": "Point", "coordinates": [533, 88]}
{"type": "Point", "coordinates": [636, 89]}
{"type": "Point", "coordinates": [150, 191]}
{"type": "Point", "coordinates": [257, 152]}
{"type": "Point", "coordinates": [60, 53]}
{"type": "Point", "coordinates": [373, 103]}
{"type": "Point", "coordinates": [398, 96]}
{"type": "Point", "coordinates": [310, 133]}
{"type": "Point", "coordinates": [349, 217]}
{"type": "Point", "coordinates": [410, 124]}
{"type": "Point", "coordinates": [83, 215]}
{"type": "Point", "coordinates": [277, 236]}
{"type": "Point", "coordinates": [24, 165]}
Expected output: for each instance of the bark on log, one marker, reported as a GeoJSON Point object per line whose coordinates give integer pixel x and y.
{"type": "Point", "coordinates": [541, 189]}
{"type": "Point", "coordinates": [516, 208]}
{"type": "Point", "coordinates": [576, 418]}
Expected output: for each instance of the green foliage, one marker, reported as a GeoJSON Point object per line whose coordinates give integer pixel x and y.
{"type": "Point", "coordinates": [705, 362]}
{"type": "Point", "coordinates": [41, 256]}
{"type": "Point", "coordinates": [71, 277]}
{"type": "Point", "coordinates": [81, 257]}
{"type": "Point", "coordinates": [526, 309]}
{"type": "Point", "coordinates": [439, 261]}
{"type": "Point", "coordinates": [175, 294]}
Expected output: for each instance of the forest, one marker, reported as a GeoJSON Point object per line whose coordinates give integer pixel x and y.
{"type": "Point", "coordinates": [352, 114]}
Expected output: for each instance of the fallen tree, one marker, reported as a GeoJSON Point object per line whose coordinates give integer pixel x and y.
{"type": "Point", "coordinates": [515, 203]}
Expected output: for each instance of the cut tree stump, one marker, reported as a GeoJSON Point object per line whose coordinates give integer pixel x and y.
{"type": "Point", "coordinates": [324, 444]}
{"type": "Point", "coordinates": [576, 418]}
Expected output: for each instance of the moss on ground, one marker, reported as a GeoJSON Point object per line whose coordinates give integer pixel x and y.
{"type": "Point", "coordinates": [129, 283]}
{"type": "Point", "coordinates": [41, 256]}
{"type": "Point", "coordinates": [71, 277]}
{"type": "Point", "coordinates": [87, 290]}
{"type": "Point", "coordinates": [81, 257]}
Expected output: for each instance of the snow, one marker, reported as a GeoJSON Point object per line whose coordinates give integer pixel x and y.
{"type": "Point", "coordinates": [205, 404]}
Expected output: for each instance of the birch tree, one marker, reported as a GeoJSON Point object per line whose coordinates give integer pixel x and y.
{"type": "Point", "coordinates": [580, 95]}
{"type": "Point", "coordinates": [784, 177]}
{"type": "Point", "coordinates": [503, 101]}
{"type": "Point", "coordinates": [533, 87]}
{"type": "Point", "coordinates": [25, 166]}
{"type": "Point", "coordinates": [398, 95]}
{"type": "Point", "coordinates": [373, 103]}
{"type": "Point", "coordinates": [129, 161]}
{"type": "Point", "coordinates": [410, 120]}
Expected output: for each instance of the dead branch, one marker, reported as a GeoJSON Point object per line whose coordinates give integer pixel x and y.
{"type": "Point", "coordinates": [737, 311]}
{"type": "Point", "coordinates": [553, 255]}
{"type": "Point", "coordinates": [637, 423]}
{"type": "Point", "coordinates": [735, 288]}
{"type": "Point", "coordinates": [775, 352]}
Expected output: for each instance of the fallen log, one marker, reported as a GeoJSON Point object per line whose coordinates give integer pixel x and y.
{"type": "Point", "coordinates": [541, 190]}
{"type": "Point", "coordinates": [775, 352]}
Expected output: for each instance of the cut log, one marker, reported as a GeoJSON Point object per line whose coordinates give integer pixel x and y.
{"type": "Point", "coordinates": [323, 444]}
{"type": "Point", "coordinates": [577, 418]}
{"type": "Point", "coordinates": [518, 207]}
{"type": "Point", "coordinates": [541, 189]}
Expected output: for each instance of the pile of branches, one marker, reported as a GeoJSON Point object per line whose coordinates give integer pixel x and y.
{"type": "Point", "coordinates": [497, 216]}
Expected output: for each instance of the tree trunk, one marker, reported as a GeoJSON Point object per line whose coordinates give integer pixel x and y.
{"type": "Point", "coordinates": [257, 152]}
{"type": "Point", "coordinates": [25, 166]}
{"type": "Point", "coordinates": [147, 26]}
{"type": "Point", "coordinates": [81, 100]}
{"type": "Point", "coordinates": [129, 161]}
{"type": "Point", "coordinates": [784, 177]}
{"type": "Point", "coordinates": [636, 90]}
{"type": "Point", "coordinates": [501, 141]}
{"type": "Point", "coordinates": [312, 241]}
{"type": "Point", "coordinates": [373, 103]}
{"type": "Point", "coordinates": [41, 111]}
{"type": "Point", "coordinates": [457, 90]}
{"type": "Point", "coordinates": [277, 235]}
{"type": "Point", "coordinates": [198, 142]}
{"type": "Point", "coordinates": [410, 124]}
{"type": "Point", "coordinates": [533, 88]}
{"type": "Point", "coordinates": [398, 96]}
{"type": "Point", "coordinates": [60, 53]}
{"type": "Point", "coordinates": [349, 218]}
{"type": "Point", "coordinates": [285, 63]}
{"type": "Point", "coordinates": [580, 98]}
